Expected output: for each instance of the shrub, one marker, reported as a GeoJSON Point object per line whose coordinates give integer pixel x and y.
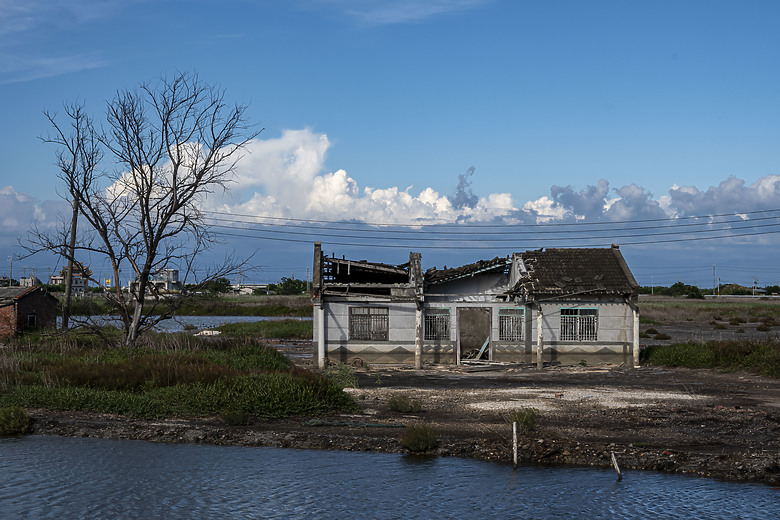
{"type": "Point", "coordinates": [651, 330]}
{"type": "Point", "coordinates": [342, 375]}
{"type": "Point", "coordinates": [419, 439]}
{"type": "Point", "coordinates": [526, 419]}
{"type": "Point", "coordinates": [402, 404]}
{"type": "Point", "coordinates": [662, 336]}
{"type": "Point", "coordinates": [14, 421]}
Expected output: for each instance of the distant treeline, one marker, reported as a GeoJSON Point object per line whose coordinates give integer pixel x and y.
{"type": "Point", "coordinates": [682, 290]}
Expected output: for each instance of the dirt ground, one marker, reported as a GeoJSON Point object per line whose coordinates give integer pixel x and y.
{"type": "Point", "coordinates": [724, 425]}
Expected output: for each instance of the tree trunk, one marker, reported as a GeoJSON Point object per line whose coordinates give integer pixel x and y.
{"type": "Point", "coordinates": [69, 274]}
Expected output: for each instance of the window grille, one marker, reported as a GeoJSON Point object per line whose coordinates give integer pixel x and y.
{"type": "Point", "coordinates": [579, 324]}
{"type": "Point", "coordinates": [437, 324]}
{"type": "Point", "coordinates": [369, 323]}
{"type": "Point", "coordinates": [511, 323]}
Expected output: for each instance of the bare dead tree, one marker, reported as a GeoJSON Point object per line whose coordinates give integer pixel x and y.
{"type": "Point", "coordinates": [172, 142]}
{"type": "Point", "coordinates": [77, 158]}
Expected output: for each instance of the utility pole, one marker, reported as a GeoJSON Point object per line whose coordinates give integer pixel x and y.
{"type": "Point", "coordinates": [714, 280]}
{"type": "Point", "coordinates": [11, 271]}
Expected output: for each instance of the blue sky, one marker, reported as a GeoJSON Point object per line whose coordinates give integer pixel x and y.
{"type": "Point", "coordinates": [595, 111]}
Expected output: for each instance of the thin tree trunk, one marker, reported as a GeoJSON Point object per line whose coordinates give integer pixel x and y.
{"type": "Point", "coordinates": [69, 274]}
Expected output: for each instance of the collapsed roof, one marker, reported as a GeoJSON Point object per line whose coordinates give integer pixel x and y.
{"type": "Point", "coordinates": [560, 272]}
{"type": "Point", "coordinates": [436, 276]}
{"type": "Point", "coordinates": [540, 273]}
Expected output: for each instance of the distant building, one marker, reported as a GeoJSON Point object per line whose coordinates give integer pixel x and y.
{"type": "Point", "coordinates": [249, 288]}
{"type": "Point", "coordinates": [80, 281]}
{"type": "Point", "coordinates": [23, 308]}
{"type": "Point", "coordinates": [29, 281]}
{"type": "Point", "coordinates": [165, 280]}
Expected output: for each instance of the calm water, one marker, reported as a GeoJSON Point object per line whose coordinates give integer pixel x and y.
{"type": "Point", "coordinates": [178, 323]}
{"type": "Point", "coordinates": [53, 477]}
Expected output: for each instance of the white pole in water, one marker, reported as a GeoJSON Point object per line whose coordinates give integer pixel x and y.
{"type": "Point", "coordinates": [614, 463]}
{"type": "Point", "coordinates": [514, 443]}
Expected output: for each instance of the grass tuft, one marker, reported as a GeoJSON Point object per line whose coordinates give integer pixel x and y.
{"type": "Point", "coordinates": [526, 419]}
{"type": "Point", "coordinates": [402, 404]}
{"type": "Point", "coordinates": [342, 375]}
{"type": "Point", "coordinates": [14, 421]}
{"type": "Point", "coordinates": [419, 439]}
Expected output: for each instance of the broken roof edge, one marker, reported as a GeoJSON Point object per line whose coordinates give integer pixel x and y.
{"type": "Point", "coordinates": [399, 269]}
{"type": "Point", "coordinates": [456, 273]}
{"type": "Point", "coordinates": [624, 265]}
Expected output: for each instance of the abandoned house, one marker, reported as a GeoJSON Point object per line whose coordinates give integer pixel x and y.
{"type": "Point", "coordinates": [568, 305]}
{"type": "Point", "coordinates": [23, 308]}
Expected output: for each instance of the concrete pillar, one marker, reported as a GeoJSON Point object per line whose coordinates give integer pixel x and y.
{"type": "Point", "coordinates": [539, 339]}
{"type": "Point", "coordinates": [418, 346]}
{"type": "Point", "coordinates": [321, 349]}
{"type": "Point", "coordinates": [528, 340]}
{"type": "Point", "coordinates": [636, 337]}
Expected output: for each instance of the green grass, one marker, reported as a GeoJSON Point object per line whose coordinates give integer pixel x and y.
{"type": "Point", "coordinates": [762, 357]}
{"type": "Point", "coordinates": [170, 376]}
{"type": "Point", "coordinates": [278, 329]}
{"type": "Point", "coordinates": [667, 311]}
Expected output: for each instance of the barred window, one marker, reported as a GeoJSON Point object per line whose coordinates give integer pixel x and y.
{"type": "Point", "coordinates": [369, 323]}
{"type": "Point", "coordinates": [437, 324]}
{"type": "Point", "coordinates": [511, 324]}
{"type": "Point", "coordinates": [579, 324]}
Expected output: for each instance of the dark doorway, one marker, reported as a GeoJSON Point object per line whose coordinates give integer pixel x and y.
{"type": "Point", "coordinates": [474, 324]}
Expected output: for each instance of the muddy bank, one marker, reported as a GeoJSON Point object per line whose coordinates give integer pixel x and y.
{"type": "Point", "coordinates": [686, 421]}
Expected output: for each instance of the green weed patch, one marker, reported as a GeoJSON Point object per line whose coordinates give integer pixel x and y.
{"type": "Point", "coordinates": [197, 377]}
{"type": "Point", "coordinates": [762, 357]}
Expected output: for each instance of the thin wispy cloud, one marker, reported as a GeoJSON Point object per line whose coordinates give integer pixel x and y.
{"type": "Point", "coordinates": [17, 69]}
{"type": "Point", "coordinates": [32, 34]}
{"type": "Point", "coordinates": [380, 12]}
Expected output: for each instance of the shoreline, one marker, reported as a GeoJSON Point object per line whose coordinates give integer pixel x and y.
{"type": "Point", "coordinates": [696, 422]}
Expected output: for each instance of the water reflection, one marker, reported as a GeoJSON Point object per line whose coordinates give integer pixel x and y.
{"type": "Point", "coordinates": [51, 477]}
{"type": "Point", "coordinates": [180, 323]}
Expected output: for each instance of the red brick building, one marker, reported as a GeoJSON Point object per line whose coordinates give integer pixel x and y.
{"type": "Point", "coordinates": [22, 308]}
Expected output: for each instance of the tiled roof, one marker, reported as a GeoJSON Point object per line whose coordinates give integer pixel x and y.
{"type": "Point", "coordinates": [556, 272]}
{"type": "Point", "coordinates": [433, 275]}
{"type": "Point", "coordinates": [9, 294]}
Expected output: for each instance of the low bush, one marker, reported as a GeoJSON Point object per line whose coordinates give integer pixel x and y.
{"type": "Point", "coordinates": [419, 439]}
{"type": "Point", "coordinates": [402, 404]}
{"type": "Point", "coordinates": [526, 419]}
{"type": "Point", "coordinates": [14, 421]}
{"type": "Point", "coordinates": [662, 336]}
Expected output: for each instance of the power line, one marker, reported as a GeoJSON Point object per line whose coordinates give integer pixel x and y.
{"type": "Point", "coordinates": [446, 223]}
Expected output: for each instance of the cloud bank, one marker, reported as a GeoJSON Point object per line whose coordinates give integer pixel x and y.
{"type": "Point", "coordinates": [287, 177]}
